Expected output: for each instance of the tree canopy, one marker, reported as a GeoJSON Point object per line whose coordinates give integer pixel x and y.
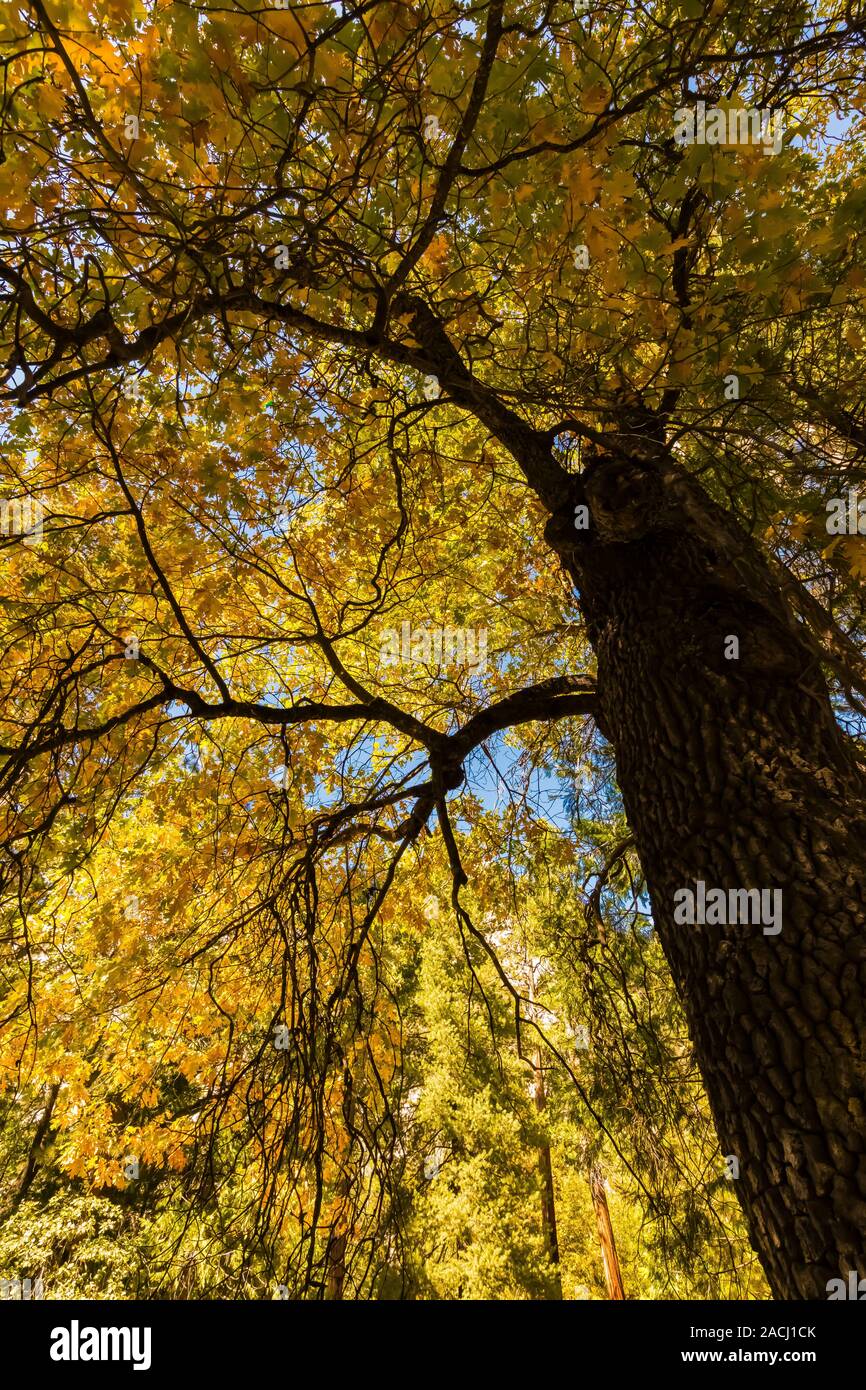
{"type": "Point", "coordinates": [371, 372]}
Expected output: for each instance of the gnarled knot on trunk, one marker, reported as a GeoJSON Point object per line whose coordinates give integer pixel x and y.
{"type": "Point", "coordinates": [448, 773]}
{"type": "Point", "coordinates": [625, 498]}
{"type": "Point", "coordinates": [615, 500]}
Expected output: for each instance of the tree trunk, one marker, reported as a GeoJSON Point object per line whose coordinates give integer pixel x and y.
{"type": "Point", "coordinates": [335, 1278]}
{"type": "Point", "coordinates": [335, 1254]}
{"type": "Point", "coordinates": [548, 1195]}
{"type": "Point", "coordinates": [36, 1145]}
{"type": "Point", "coordinates": [735, 773]}
{"type": "Point", "coordinates": [610, 1259]}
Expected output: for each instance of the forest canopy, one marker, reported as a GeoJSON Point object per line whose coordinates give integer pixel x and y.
{"type": "Point", "coordinates": [432, 557]}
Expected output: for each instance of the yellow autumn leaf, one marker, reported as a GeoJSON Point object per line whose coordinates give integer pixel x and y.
{"type": "Point", "coordinates": [50, 101]}
{"type": "Point", "coordinates": [677, 245]}
{"type": "Point", "coordinates": [595, 98]}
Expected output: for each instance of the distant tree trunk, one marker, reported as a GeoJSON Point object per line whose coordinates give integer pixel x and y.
{"type": "Point", "coordinates": [734, 772]}
{"type": "Point", "coordinates": [335, 1257]}
{"type": "Point", "coordinates": [610, 1259]}
{"type": "Point", "coordinates": [336, 1266]}
{"type": "Point", "coordinates": [37, 1142]}
{"type": "Point", "coordinates": [548, 1196]}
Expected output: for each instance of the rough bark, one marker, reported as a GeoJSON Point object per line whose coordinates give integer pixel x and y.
{"type": "Point", "coordinates": [736, 773]}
